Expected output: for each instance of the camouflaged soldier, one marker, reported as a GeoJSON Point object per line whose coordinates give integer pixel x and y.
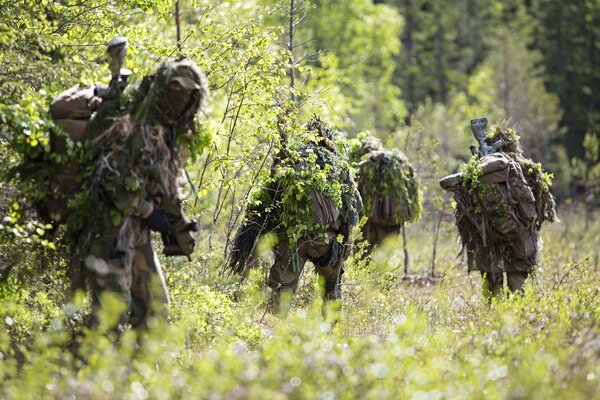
{"type": "Point", "coordinates": [502, 200]}
{"type": "Point", "coordinates": [326, 241]}
{"type": "Point", "coordinates": [135, 190]}
{"type": "Point", "coordinates": [389, 188]}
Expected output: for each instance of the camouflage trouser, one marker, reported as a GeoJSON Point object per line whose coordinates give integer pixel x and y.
{"type": "Point", "coordinates": [134, 276]}
{"type": "Point", "coordinates": [376, 234]}
{"type": "Point", "coordinates": [494, 281]}
{"type": "Point", "coordinates": [322, 250]}
{"type": "Point", "coordinates": [493, 262]}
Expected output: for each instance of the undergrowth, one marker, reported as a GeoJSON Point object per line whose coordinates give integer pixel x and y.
{"type": "Point", "coordinates": [392, 338]}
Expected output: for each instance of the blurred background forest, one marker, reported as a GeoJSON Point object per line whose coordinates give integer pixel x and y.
{"type": "Point", "coordinates": [411, 72]}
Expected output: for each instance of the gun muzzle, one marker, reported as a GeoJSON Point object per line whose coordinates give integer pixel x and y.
{"type": "Point", "coordinates": [478, 126]}
{"type": "Point", "coordinates": [116, 50]}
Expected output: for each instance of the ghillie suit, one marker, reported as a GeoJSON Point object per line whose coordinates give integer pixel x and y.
{"type": "Point", "coordinates": [389, 188]}
{"type": "Point", "coordinates": [502, 200]}
{"type": "Point", "coordinates": [135, 190]}
{"type": "Point", "coordinates": [309, 202]}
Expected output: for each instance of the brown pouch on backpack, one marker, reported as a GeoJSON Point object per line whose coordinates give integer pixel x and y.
{"type": "Point", "coordinates": [324, 211]}
{"type": "Point", "coordinates": [505, 226]}
{"type": "Point", "coordinates": [525, 246]}
{"type": "Point", "coordinates": [494, 162]}
{"type": "Point", "coordinates": [383, 210]}
{"type": "Point", "coordinates": [73, 103]}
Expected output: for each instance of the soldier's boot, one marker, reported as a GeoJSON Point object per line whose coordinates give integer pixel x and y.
{"type": "Point", "coordinates": [492, 285]}
{"type": "Point", "coordinates": [333, 287]}
{"type": "Point", "coordinates": [329, 267]}
{"type": "Point", "coordinates": [330, 270]}
{"type": "Point", "coordinates": [332, 296]}
{"type": "Point", "coordinates": [138, 313]}
{"type": "Point", "coordinates": [281, 293]}
{"type": "Point", "coordinates": [281, 300]}
{"type": "Point", "coordinates": [95, 322]}
{"type": "Point", "coordinates": [515, 282]}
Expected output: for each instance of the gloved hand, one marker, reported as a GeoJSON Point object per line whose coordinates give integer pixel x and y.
{"type": "Point", "coordinates": [158, 221]}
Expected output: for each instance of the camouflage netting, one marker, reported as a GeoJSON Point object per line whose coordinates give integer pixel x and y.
{"type": "Point", "coordinates": [260, 218]}
{"type": "Point", "coordinates": [509, 136]}
{"type": "Point", "coordinates": [311, 190]}
{"type": "Point", "coordinates": [114, 139]}
{"type": "Point", "coordinates": [478, 254]}
{"type": "Point", "coordinates": [390, 188]}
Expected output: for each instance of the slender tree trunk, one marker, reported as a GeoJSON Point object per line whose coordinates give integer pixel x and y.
{"type": "Point", "coordinates": [408, 48]}
{"type": "Point", "coordinates": [290, 47]}
{"type": "Point", "coordinates": [506, 82]}
{"type": "Point", "coordinates": [439, 56]}
{"type": "Point", "coordinates": [178, 26]}
{"type": "Point", "coordinates": [406, 259]}
{"type": "Point", "coordinates": [437, 221]}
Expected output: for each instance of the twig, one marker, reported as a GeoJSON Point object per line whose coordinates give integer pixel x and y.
{"type": "Point", "coordinates": [178, 27]}
{"type": "Point", "coordinates": [566, 274]}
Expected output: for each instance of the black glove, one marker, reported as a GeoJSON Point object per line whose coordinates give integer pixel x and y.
{"type": "Point", "coordinates": [158, 221]}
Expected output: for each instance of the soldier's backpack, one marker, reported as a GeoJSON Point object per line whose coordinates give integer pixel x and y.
{"type": "Point", "coordinates": [71, 110]}
{"type": "Point", "coordinates": [78, 114]}
{"type": "Point", "coordinates": [390, 188]}
{"type": "Point", "coordinates": [324, 211]}
{"type": "Point", "coordinates": [54, 172]}
{"type": "Point", "coordinates": [81, 113]}
{"type": "Point", "coordinates": [505, 204]}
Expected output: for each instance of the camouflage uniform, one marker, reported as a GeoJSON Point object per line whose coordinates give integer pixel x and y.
{"type": "Point", "coordinates": [321, 246]}
{"type": "Point", "coordinates": [134, 182]}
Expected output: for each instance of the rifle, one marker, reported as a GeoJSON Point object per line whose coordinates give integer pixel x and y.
{"type": "Point", "coordinates": [110, 95]}
{"type": "Point", "coordinates": [478, 126]}
{"type": "Point", "coordinates": [116, 50]}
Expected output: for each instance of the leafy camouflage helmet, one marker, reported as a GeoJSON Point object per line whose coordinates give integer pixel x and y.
{"type": "Point", "coordinates": [509, 136]}
{"type": "Point", "coordinates": [325, 134]}
{"type": "Point", "coordinates": [173, 95]}
{"type": "Point", "coordinates": [368, 144]}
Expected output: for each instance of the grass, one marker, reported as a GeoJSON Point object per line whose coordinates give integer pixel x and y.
{"type": "Point", "coordinates": [392, 338]}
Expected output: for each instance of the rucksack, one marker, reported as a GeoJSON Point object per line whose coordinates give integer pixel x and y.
{"type": "Point", "coordinates": [79, 112]}
{"type": "Point", "coordinates": [55, 172]}
{"type": "Point", "coordinates": [507, 202]}
{"type": "Point", "coordinates": [504, 203]}
{"type": "Point", "coordinates": [71, 110]}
